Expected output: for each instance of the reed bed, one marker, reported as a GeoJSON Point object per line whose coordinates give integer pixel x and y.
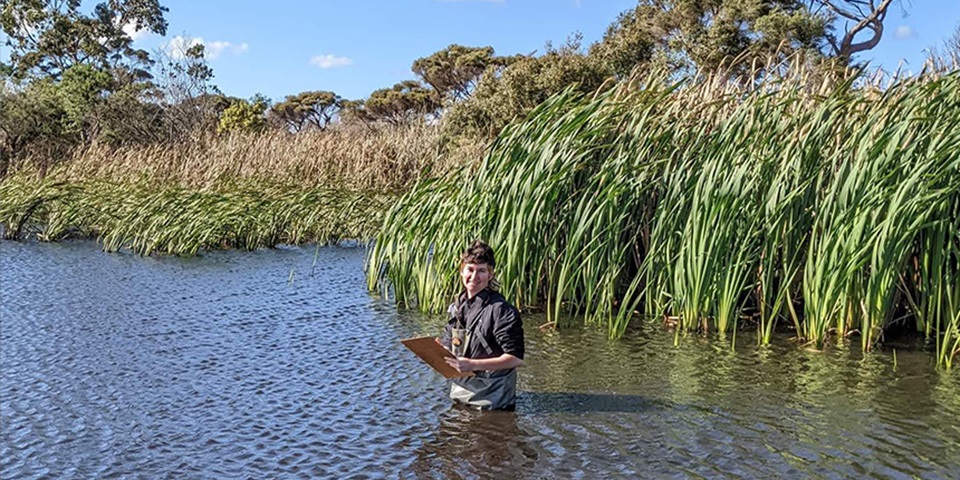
{"type": "Point", "coordinates": [174, 220]}
{"type": "Point", "coordinates": [238, 191]}
{"type": "Point", "coordinates": [827, 207]}
{"type": "Point", "coordinates": [385, 159]}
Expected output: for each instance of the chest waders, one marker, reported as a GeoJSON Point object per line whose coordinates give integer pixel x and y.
{"type": "Point", "coordinates": [484, 390]}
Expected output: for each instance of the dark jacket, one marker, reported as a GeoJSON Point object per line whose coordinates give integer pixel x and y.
{"type": "Point", "coordinates": [494, 324]}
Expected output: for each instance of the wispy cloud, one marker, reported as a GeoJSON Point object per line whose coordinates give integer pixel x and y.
{"type": "Point", "coordinates": [215, 48]}
{"type": "Point", "coordinates": [178, 46]}
{"type": "Point", "coordinates": [904, 32]}
{"type": "Point", "coordinates": [330, 61]}
{"type": "Point", "coordinates": [131, 30]}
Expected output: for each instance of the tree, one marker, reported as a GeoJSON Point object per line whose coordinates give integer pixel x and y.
{"type": "Point", "coordinates": [867, 17]}
{"type": "Point", "coordinates": [685, 35]}
{"type": "Point", "coordinates": [354, 111]}
{"type": "Point", "coordinates": [523, 82]}
{"type": "Point", "coordinates": [130, 114]}
{"type": "Point", "coordinates": [82, 92]}
{"type": "Point", "coordinates": [627, 43]}
{"type": "Point", "coordinates": [47, 37]}
{"type": "Point", "coordinates": [316, 108]}
{"type": "Point", "coordinates": [406, 101]}
{"type": "Point", "coordinates": [454, 71]}
{"type": "Point", "coordinates": [244, 115]}
{"type": "Point", "coordinates": [30, 117]}
{"type": "Point", "coordinates": [190, 101]}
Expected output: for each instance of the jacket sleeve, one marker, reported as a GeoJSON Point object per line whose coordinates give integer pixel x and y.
{"type": "Point", "coordinates": [508, 330]}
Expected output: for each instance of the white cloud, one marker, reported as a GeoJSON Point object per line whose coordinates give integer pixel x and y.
{"type": "Point", "coordinates": [131, 30]}
{"type": "Point", "coordinates": [216, 48]}
{"type": "Point", "coordinates": [178, 46]}
{"type": "Point", "coordinates": [904, 32]}
{"type": "Point", "coordinates": [330, 61]}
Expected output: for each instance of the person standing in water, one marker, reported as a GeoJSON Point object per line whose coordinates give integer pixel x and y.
{"type": "Point", "coordinates": [484, 332]}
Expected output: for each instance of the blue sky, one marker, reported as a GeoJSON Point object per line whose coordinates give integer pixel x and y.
{"type": "Point", "coordinates": [353, 47]}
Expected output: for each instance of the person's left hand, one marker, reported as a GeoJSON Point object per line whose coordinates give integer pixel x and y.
{"type": "Point", "coordinates": [461, 364]}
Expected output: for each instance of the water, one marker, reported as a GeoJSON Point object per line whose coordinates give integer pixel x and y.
{"type": "Point", "coordinates": [279, 364]}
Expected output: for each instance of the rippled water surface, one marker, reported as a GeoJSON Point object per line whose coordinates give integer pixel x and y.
{"type": "Point", "coordinates": [279, 364]}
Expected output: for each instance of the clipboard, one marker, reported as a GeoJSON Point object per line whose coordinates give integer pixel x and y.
{"type": "Point", "coordinates": [431, 352]}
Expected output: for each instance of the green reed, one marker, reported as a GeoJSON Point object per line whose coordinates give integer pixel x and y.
{"type": "Point", "coordinates": [174, 220]}
{"type": "Point", "coordinates": [827, 204]}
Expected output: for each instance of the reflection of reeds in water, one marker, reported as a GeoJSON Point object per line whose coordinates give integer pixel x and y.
{"type": "Point", "coordinates": [832, 207]}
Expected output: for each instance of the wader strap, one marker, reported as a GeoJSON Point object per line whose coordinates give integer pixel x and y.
{"type": "Point", "coordinates": [473, 332]}
{"type": "Point", "coordinates": [483, 342]}
{"type": "Point", "coordinates": [456, 310]}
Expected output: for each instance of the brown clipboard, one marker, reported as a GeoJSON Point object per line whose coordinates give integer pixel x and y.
{"type": "Point", "coordinates": [430, 351]}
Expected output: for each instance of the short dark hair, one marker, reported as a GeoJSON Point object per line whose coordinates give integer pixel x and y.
{"type": "Point", "coordinates": [478, 252]}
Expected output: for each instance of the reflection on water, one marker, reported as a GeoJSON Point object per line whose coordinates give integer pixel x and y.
{"type": "Point", "coordinates": [469, 443]}
{"type": "Point", "coordinates": [278, 364]}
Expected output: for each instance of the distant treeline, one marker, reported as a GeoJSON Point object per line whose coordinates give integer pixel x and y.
{"type": "Point", "coordinates": [75, 79]}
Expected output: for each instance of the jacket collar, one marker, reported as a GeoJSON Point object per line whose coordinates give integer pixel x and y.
{"type": "Point", "coordinates": [484, 296]}
{"type": "Point", "coordinates": [468, 310]}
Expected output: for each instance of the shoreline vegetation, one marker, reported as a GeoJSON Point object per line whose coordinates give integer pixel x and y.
{"type": "Point", "coordinates": [828, 207]}
{"type": "Point", "coordinates": [244, 190]}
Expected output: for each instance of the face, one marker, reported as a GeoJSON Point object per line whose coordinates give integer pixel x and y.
{"type": "Point", "coordinates": [476, 277]}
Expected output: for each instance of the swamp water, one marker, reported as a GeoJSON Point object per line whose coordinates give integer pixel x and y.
{"type": "Point", "coordinates": [279, 364]}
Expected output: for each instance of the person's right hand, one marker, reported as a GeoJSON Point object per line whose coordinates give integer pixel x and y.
{"type": "Point", "coordinates": [461, 364]}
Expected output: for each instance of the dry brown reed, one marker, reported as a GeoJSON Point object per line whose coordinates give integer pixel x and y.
{"type": "Point", "coordinates": [383, 159]}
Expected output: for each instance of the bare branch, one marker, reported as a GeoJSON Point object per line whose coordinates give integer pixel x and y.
{"type": "Point", "coordinates": [854, 10]}
{"type": "Point", "coordinates": [841, 11]}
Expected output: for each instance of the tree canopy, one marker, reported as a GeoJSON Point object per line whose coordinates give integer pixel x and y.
{"type": "Point", "coordinates": [46, 37]}
{"type": "Point", "coordinates": [674, 36]}
{"type": "Point", "coordinates": [454, 71]}
{"type": "Point", "coordinates": [685, 35]}
{"type": "Point", "coordinates": [511, 88]}
{"type": "Point", "coordinates": [406, 101]}
{"type": "Point", "coordinates": [244, 115]}
{"type": "Point", "coordinates": [74, 76]}
{"type": "Point", "coordinates": [315, 108]}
